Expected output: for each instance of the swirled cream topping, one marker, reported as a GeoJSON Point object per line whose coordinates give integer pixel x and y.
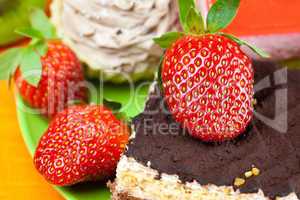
{"type": "Point", "coordinates": [115, 36]}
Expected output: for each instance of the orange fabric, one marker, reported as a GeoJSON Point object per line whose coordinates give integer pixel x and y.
{"type": "Point", "coordinates": [18, 177]}
{"type": "Point", "coordinates": [266, 17]}
{"type": "Point", "coordinates": [271, 16]}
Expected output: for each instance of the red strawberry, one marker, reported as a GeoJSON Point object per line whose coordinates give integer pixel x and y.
{"type": "Point", "coordinates": [208, 85]}
{"type": "Point", "coordinates": [48, 74]}
{"type": "Point", "coordinates": [82, 143]}
{"type": "Point", "coordinates": [206, 77]}
{"type": "Point", "coordinates": [61, 81]}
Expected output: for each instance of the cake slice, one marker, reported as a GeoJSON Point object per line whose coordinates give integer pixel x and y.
{"type": "Point", "coordinates": [163, 162]}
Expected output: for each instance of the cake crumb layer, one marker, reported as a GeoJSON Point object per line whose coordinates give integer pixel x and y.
{"type": "Point", "coordinates": [135, 181]}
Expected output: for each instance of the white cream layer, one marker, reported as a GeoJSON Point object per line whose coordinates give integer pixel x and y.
{"type": "Point", "coordinates": [115, 36]}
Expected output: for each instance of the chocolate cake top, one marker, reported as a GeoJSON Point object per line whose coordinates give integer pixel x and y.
{"type": "Point", "coordinates": [271, 142]}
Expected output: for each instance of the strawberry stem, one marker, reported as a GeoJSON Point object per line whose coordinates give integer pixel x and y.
{"type": "Point", "coordinates": [219, 17]}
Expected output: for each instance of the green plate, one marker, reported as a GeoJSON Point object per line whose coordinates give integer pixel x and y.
{"type": "Point", "coordinates": [33, 126]}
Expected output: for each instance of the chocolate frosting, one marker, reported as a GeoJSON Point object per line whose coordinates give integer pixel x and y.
{"type": "Point", "coordinates": [170, 149]}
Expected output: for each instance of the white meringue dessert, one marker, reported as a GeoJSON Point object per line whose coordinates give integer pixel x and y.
{"type": "Point", "coordinates": [115, 37]}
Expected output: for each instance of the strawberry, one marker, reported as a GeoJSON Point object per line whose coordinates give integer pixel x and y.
{"type": "Point", "coordinates": [208, 85]}
{"type": "Point", "coordinates": [206, 78]}
{"type": "Point", "coordinates": [61, 75]}
{"type": "Point", "coordinates": [48, 74]}
{"type": "Point", "coordinates": [82, 143]}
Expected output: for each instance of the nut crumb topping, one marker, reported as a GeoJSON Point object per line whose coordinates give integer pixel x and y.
{"type": "Point", "coordinates": [239, 182]}
{"type": "Point", "coordinates": [248, 174]}
{"type": "Point", "coordinates": [255, 171]}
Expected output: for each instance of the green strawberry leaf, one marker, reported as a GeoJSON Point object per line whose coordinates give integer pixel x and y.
{"type": "Point", "coordinates": [255, 49]}
{"type": "Point", "coordinates": [184, 7]}
{"type": "Point", "coordinates": [9, 61]}
{"type": "Point", "coordinates": [194, 22]}
{"type": "Point", "coordinates": [31, 66]}
{"type": "Point", "coordinates": [30, 32]}
{"type": "Point", "coordinates": [221, 14]}
{"type": "Point", "coordinates": [41, 47]}
{"type": "Point", "coordinates": [29, 58]}
{"type": "Point", "coordinates": [40, 22]}
{"type": "Point", "coordinates": [166, 40]}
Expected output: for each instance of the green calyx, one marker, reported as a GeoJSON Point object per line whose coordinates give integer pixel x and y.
{"type": "Point", "coordinates": [219, 17]}
{"type": "Point", "coordinates": [28, 58]}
